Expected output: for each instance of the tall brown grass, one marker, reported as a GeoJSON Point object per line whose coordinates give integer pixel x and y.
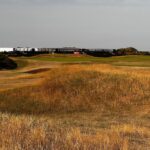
{"type": "Point", "coordinates": [26, 133]}
{"type": "Point", "coordinates": [102, 101]}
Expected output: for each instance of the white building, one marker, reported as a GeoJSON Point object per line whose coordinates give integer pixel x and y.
{"type": "Point", "coordinates": [4, 49]}
{"type": "Point", "coordinates": [25, 49]}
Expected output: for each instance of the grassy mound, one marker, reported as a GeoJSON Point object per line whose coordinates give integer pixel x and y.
{"type": "Point", "coordinates": [71, 90]}
{"type": "Point", "coordinates": [7, 63]}
{"type": "Point", "coordinates": [78, 107]}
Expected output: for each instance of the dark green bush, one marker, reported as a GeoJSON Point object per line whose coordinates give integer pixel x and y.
{"type": "Point", "coordinates": [7, 63]}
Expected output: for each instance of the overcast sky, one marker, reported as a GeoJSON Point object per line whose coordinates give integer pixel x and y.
{"type": "Point", "coordinates": [80, 23]}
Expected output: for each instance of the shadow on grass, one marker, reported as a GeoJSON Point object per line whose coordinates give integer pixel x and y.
{"type": "Point", "coordinates": [40, 70]}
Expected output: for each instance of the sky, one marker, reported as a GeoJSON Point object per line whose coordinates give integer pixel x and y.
{"type": "Point", "coordinates": [77, 23]}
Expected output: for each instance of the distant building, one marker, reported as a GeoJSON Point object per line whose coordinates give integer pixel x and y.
{"type": "Point", "coordinates": [26, 49]}
{"type": "Point", "coordinates": [67, 50]}
{"type": "Point", "coordinates": [101, 50]}
{"type": "Point", "coordinates": [48, 50]}
{"type": "Point", "coordinates": [76, 53]}
{"type": "Point", "coordinates": [4, 49]}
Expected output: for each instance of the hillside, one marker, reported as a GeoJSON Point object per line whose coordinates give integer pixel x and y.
{"type": "Point", "coordinates": [76, 106]}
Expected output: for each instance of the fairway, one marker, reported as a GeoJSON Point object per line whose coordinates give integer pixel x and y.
{"type": "Point", "coordinates": [133, 60]}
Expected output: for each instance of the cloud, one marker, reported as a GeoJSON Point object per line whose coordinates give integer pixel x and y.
{"type": "Point", "coordinates": [35, 1]}
{"type": "Point", "coordinates": [116, 2]}
{"type": "Point", "coordinates": [78, 2]}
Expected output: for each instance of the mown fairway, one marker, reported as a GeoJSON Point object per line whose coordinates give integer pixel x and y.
{"type": "Point", "coordinates": [66, 102]}
{"type": "Point", "coordinates": [133, 60]}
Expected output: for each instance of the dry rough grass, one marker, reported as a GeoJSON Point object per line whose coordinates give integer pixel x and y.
{"type": "Point", "coordinates": [79, 107]}
{"type": "Point", "coordinates": [26, 133]}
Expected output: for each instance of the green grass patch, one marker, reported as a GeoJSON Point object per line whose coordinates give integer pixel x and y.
{"type": "Point", "coordinates": [141, 61]}
{"type": "Point", "coordinates": [21, 62]}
